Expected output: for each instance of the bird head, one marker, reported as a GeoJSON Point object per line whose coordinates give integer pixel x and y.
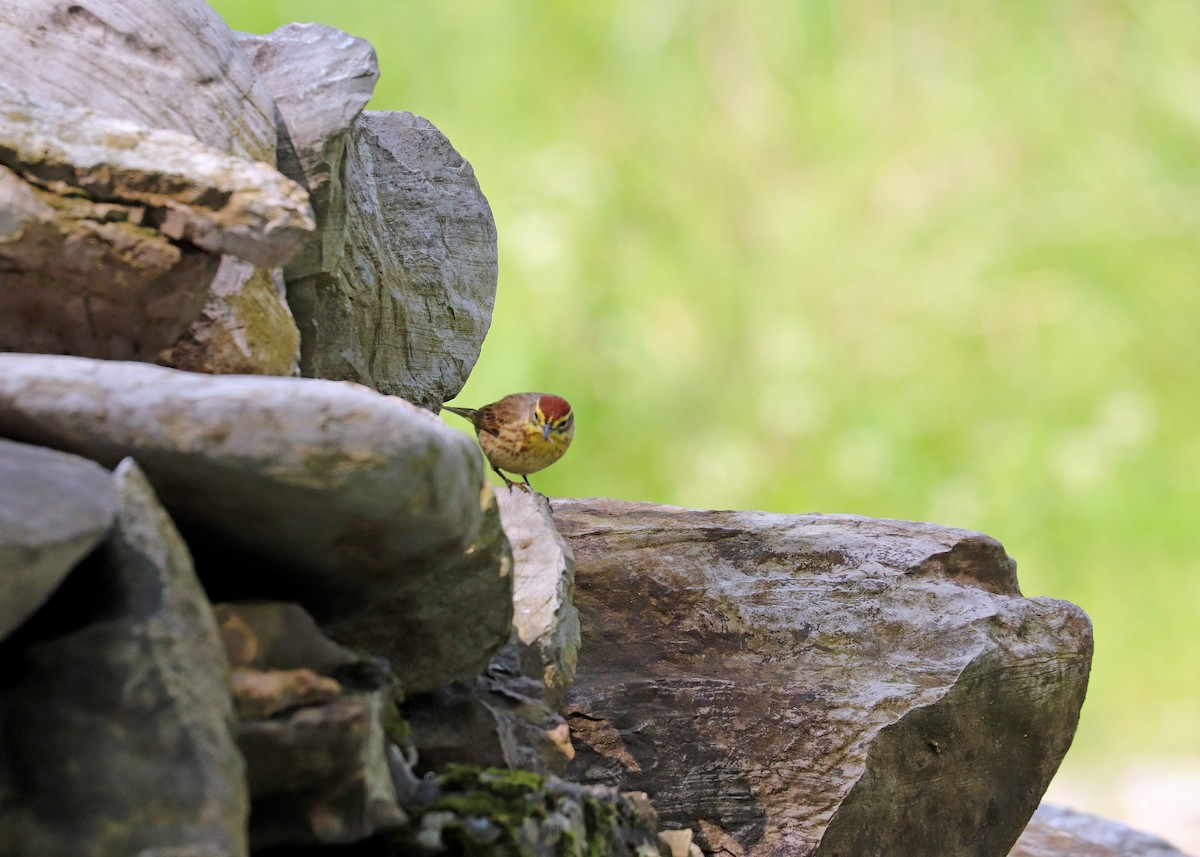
{"type": "Point", "coordinates": [553, 416]}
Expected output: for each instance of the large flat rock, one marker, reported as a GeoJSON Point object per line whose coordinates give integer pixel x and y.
{"type": "Point", "coordinates": [357, 505]}
{"type": "Point", "coordinates": [817, 685]}
{"type": "Point", "coordinates": [160, 63]}
{"type": "Point", "coordinates": [170, 65]}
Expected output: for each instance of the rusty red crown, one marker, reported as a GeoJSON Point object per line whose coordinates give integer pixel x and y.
{"type": "Point", "coordinates": [554, 408]}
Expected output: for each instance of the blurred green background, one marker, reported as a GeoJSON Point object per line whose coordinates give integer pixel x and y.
{"type": "Point", "coordinates": [922, 259]}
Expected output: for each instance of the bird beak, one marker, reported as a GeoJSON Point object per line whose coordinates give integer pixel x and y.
{"type": "Point", "coordinates": [545, 430]}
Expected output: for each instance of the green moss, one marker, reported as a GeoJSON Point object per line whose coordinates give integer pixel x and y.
{"type": "Point", "coordinates": [395, 727]}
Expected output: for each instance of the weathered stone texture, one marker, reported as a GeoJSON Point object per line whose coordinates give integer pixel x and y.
{"type": "Point", "coordinates": [160, 63]}
{"type": "Point", "coordinates": [321, 79]}
{"type": "Point", "coordinates": [54, 509]}
{"type": "Point", "coordinates": [368, 510]}
{"type": "Point", "coordinates": [115, 702]}
{"type": "Point", "coordinates": [411, 300]}
{"type": "Point", "coordinates": [545, 621]}
{"type": "Point", "coordinates": [818, 684]}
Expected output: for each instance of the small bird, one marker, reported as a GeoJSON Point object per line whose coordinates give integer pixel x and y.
{"type": "Point", "coordinates": [522, 433]}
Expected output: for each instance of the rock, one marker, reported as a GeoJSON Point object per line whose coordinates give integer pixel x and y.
{"type": "Point", "coordinates": [499, 720]}
{"type": "Point", "coordinates": [545, 620]}
{"type": "Point", "coordinates": [679, 843]}
{"type": "Point", "coordinates": [515, 812]}
{"type": "Point", "coordinates": [807, 684]}
{"type": "Point", "coordinates": [1043, 840]}
{"type": "Point", "coordinates": [277, 635]}
{"type": "Point", "coordinates": [54, 509]}
{"type": "Point", "coordinates": [170, 64]}
{"type": "Point", "coordinates": [508, 716]}
{"type": "Point", "coordinates": [411, 300]}
{"type": "Point", "coordinates": [359, 506]}
{"type": "Point", "coordinates": [103, 221]}
{"type": "Point", "coordinates": [317, 749]}
{"type": "Point", "coordinates": [87, 278]}
{"type": "Point", "coordinates": [191, 192]}
{"type": "Point", "coordinates": [319, 774]}
{"type": "Point", "coordinates": [244, 328]}
{"type": "Point", "coordinates": [1056, 831]}
{"type": "Point", "coordinates": [321, 79]}
{"type": "Point", "coordinates": [117, 717]}
{"type": "Point", "coordinates": [259, 694]}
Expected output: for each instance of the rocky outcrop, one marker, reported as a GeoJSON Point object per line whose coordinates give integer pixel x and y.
{"type": "Point", "coordinates": [321, 79]}
{"type": "Point", "coordinates": [54, 509]}
{"type": "Point", "coordinates": [357, 505]}
{"type": "Point", "coordinates": [149, 67]}
{"type": "Point", "coordinates": [102, 224]}
{"type": "Point", "coordinates": [312, 724]}
{"type": "Point", "coordinates": [1056, 831]}
{"type": "Point", "coordinates": [818, 684]}
{"type": "Point", "coordinates": [508, 716]}
{"type": "Point", "coordinates": [170, 64]}
{"type": "Point", "coordinates": [407, 307]}
{"type": "Point", "coordinates": [114, 698]}
{"type": "Point", "coordinates": [782, 684]}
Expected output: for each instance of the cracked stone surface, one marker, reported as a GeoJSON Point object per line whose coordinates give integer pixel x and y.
{"type": "Point", "coordinates": [817, 685]}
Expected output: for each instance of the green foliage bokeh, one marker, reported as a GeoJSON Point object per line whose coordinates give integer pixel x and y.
{"type": "Point", "coordinates": [917, 259]}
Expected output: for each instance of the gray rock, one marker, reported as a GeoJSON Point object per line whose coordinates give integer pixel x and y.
{"type": "Point", "coordinates": [172, 65]}
{"type": "Point", "coordinates": [160, 63]}
{"type": "Point", "coordinates": [87, 278]}
{"type": "Point", "coordinates": [499, 720]}
{"type": "Point", "coordinates": [54, 509]}
{"type": "Point", "coordinates": [319, 774]}
{"type": "Point", "coordinates": [359, 506]}
{"type": "Point", "coordinates": [545, 620]}
{"type": "Point", "coordinates": [807, 684]}
{"type": "Point", "coordinates": [508, 716]}
{"type": "Point", "coordinates": [278, 635]}
{"type": "Point", "coordinates": [102, 223]}
{"type": "Point", "coordinates": [411, 300]}
{"type": "Point", "coordinates": [515, 812]}
{"type": "Point", "coordinates": [321, 79]}
{"type": "Point", "coordinates": [315, 748]}
{"type": "Point", "coordinates": [192, 192]}
{"type": "Point", "coordinates": [1057, 831]}
{"type": "Point", "coordinates": [244, 328]}
{"type": "Point", "coordinates": [118, 721]}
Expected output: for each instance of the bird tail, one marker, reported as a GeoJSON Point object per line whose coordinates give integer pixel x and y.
{"type": "Point", "coordinates": [465, 413]}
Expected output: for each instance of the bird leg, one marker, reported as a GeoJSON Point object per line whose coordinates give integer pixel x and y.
{"type": "Point", "coordinates": [509, 484]}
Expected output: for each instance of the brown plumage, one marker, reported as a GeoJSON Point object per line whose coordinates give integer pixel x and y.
{"type": "Point", "coordinates": [522, 433]}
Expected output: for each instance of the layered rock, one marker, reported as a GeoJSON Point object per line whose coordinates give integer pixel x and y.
{"type": "Point", "coordinates": [170, 64]}
{"type": "Point", "coordinates": [1056, 831]}
{"type": "Point", "coordinates": [102, 224]}
{"type": "Point", "coordinates": [321, 79]}
{"type": "Point", "coordinates": [508, 716]}
{"type": "Point", "coordinates": [818, 684]}
{"type": "Point", "coordinates": [161, 64]}
{"type": "Point", "coordinates": [359, 506]}
{"type": "Point", "coordinates": [316, 747]}
{"type": "Point", "coordinates": [54, 509]}
{"type": "Point", "coordinates": [410, 300]}
{"type": "Point", "coordinates": [118, 722]}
